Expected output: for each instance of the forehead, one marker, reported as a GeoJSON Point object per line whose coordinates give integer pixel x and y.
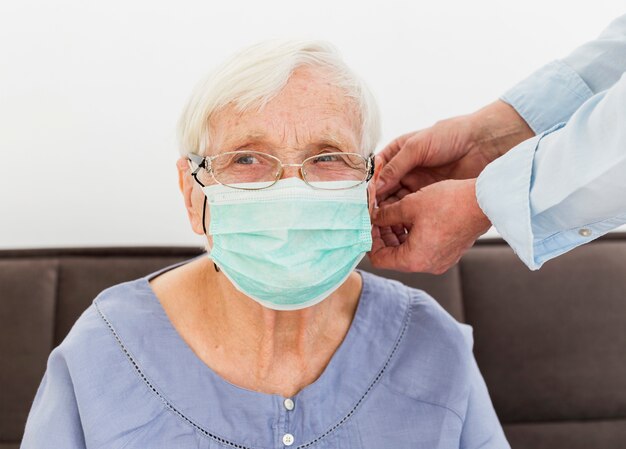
{"type": "Point", "coordinates": [309, 109]}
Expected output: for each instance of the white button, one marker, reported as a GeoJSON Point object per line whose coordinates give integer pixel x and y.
{"type": "Point", "coordinates": [287, 439]}
{"type": "Point", "coordinates": [584, 232]}
{"type": "Point", "coordinates": [288, 403]}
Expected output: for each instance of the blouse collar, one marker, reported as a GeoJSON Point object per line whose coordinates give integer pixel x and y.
{"type": "Point", "coordinates": [239, 417]}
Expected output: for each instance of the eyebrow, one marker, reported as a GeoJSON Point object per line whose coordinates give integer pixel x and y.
{"type": "Point", "coordinates": [260, 137]}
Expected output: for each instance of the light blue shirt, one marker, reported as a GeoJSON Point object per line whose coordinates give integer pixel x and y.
{"type": "Point", "coordinates": [404, 376]}
{"type": "Point", "coordinates": [567, 185]}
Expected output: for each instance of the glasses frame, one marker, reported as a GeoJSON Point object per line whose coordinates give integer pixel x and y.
{"type": "Point", "coordinates": [201, 162]}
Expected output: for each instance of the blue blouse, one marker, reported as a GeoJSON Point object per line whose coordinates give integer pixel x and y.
{"type": "Point", "coordinates": [403, 377]}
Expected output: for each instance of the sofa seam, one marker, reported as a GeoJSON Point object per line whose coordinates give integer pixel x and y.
{"type": "Point", "coordinates": [461, 291]}
{"type": "Point", "coordinates": [57, 291]}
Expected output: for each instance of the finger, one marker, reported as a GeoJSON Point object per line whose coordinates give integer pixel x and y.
{"type": "Point", "coordinates": [375, 232]}
{"type": "Point", "coordinates": [389, 237]}
{"type": "Point", "coordinates": [384, 196]}
{"type": "Point", "coordinates": [413, 181]}
{"type": "Point", "coordinates": [389, 199]}
{"type": "Point", "coordinates": [421, 177]}
{"type": "Point", "coordinates": [392, 198]}
{"type": "Point", "coordinates": [377, 242]}
{"type": "Point", "coordinates": [402, 192]}
{"type": "Point", "coordinates": [385, 156]}
{"type": "Point", "coordinates": [402, 230]}
{"type": "Point", "coordinates": [382, 238]}
{"type": "Point", "coordinates": [398, 229]}
{"type": "Point", "coordinates": [391, 257]}
{"type": "Point", "coordinates": [407, 157]}
{"type": "Point", "coordinates": [393, 214]}
{"type": "Point", "coordinates": [389, 152]}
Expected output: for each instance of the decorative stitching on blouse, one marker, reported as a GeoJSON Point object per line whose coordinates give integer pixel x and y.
{"type": "Point", "coordinates": [371, 386]}
{"type": "Point", "coordinates": [159, 395]}
{"type": "Point", "coordinates": [226, 442]}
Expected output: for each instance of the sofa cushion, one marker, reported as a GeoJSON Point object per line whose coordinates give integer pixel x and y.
{"type": "Point", "coordinates": [28, 290]}
{"type": "Point", "coordinates": [551, 343]}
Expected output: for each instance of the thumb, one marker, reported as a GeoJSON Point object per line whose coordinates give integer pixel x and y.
{"type": "Point", "coordinates": [407, 156]}
{"type": "Point", "coordinates": [393, 214]}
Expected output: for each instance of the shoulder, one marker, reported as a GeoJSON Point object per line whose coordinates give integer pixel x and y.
{"type": "Point", "coordinates": [92, 361]}
{"type": "Point", "coordinates": [432, 322]}
{"type": "Point", "coordinates": [90, 342]}
{"type": "Point", "coordinates": [92, 355]}
{"type": "Point", "coordinates": [426, 314]}
{"type": "Point", "coordinates": [434, 356]}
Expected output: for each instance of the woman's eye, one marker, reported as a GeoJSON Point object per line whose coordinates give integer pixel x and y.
{"type": "Point", "coordinates": [326, 158]}
{"type": "Point", "coordinates": [247, 159]}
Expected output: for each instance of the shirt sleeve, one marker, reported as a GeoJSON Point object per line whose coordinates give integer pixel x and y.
{"type": "Point", "coordinates": [564, 187]}
{"type": "Point", "coordinates": [481, 427]}
{"type": "Point", "coordinates": [54, 420]}
{"type": "Point", "coordinates": [554, 92]}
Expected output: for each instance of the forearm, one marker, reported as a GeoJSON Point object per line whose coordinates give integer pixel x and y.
{"type": "Point", "coordinates": [498, 128]}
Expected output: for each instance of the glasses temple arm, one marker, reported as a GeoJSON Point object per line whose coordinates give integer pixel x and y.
{"type": "Point", "coordinates": [198, 161]}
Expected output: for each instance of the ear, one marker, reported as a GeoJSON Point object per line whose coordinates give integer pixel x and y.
{"type": "Point", "coordinates": [192, 196]}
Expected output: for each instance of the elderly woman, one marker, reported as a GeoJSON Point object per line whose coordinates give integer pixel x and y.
{"type": "Point", "coordinates": [274, 339]}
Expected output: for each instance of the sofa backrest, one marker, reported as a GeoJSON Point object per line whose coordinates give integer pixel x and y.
{"type": "Point", "coordinates": [551, 344]}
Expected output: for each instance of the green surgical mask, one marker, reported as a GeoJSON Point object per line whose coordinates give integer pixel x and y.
{"type": "Point", "coordinates": [288, 246]}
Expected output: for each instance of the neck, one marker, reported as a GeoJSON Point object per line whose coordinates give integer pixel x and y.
{"type": "Point", "coordinates": [279, 351]}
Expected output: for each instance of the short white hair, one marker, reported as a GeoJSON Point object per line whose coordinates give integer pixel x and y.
{"type": "Point", "coordinates": [255, 75]}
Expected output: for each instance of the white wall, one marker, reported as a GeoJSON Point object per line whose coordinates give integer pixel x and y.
{"type": "Point", "coordinates": [90, 91]}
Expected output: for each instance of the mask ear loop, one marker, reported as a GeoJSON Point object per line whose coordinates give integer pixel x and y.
{"type": "Point", "coordinates": [195, 176]}
{"type": "Point", "coordinates": [370, 175]}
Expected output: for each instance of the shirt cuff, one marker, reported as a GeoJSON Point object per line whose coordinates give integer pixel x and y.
{"type": "Point", "coordinates": [503, 193]}
{"type": "Point", "coordinates": [548, 96]}
{"type": "Point", "coordinates": [566, 240]}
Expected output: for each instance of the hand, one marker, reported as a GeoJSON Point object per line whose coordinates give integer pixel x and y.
{"type": "Point", "coordinates": [456, 148]}
{"type": "Point", "coordinates": [443, 221]}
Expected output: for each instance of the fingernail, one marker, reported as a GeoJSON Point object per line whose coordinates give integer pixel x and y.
{"type": "Point", "coordinates": [380, 184]}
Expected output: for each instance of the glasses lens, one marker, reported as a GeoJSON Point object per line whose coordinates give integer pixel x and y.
{"type": "Point", "coordinates": [348, 167]}
{"type": "Point", "coordinates": [239, 167]}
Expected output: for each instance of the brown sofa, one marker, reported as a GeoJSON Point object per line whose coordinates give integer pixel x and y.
{"type": "Point", "coordinates": [551, 344]}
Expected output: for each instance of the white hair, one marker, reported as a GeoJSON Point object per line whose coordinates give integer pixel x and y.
{"type": "Point", "coordinates": [255, 75]}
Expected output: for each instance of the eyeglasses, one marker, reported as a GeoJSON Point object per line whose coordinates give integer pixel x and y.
{"type": "Point", "coordinates": [234, 168]}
